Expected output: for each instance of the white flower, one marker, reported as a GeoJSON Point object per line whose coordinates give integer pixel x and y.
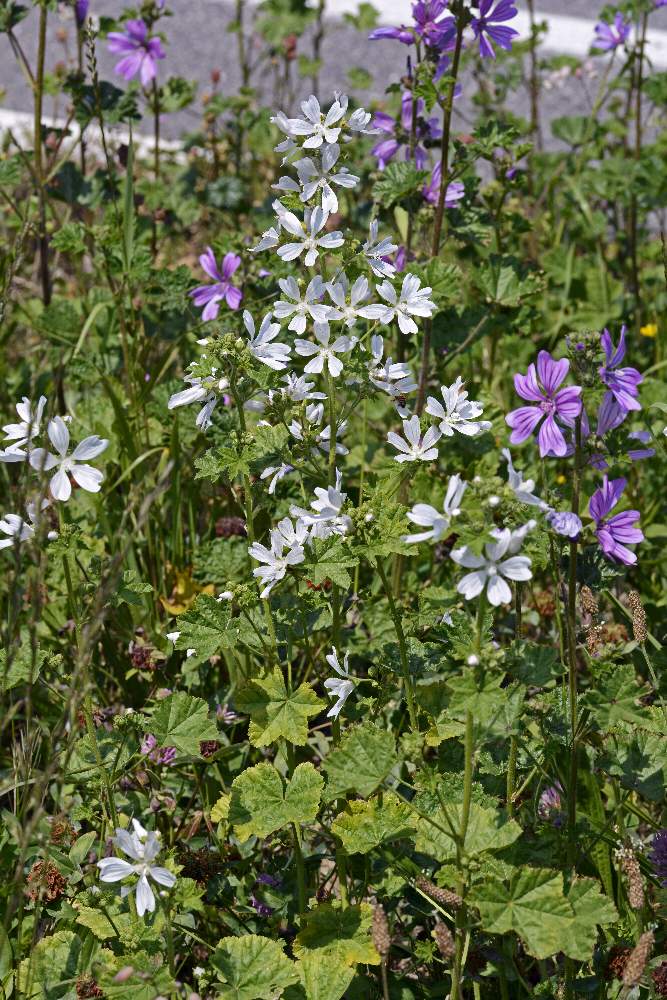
{"type": "Point", "coordinates": [270, 238]}
{"type": "Point", "coordinates": [517, 535]}
{"type": "Point", "coordinates": [276, 473]}
{"type": "Point", "coordinates": [299, 388]}
{"type": "Point", "coordinates": [206, 389]}
{"type": "Point", "coordinates": [437, 524]}
{"type": "Point", "coordinates": [173, 636]}
{"type": "Point", "coordinates": [316, 126]}
{"type": "Point", "coordinates": [314, 177]}
{"type": "Point", "coordinates": [17, 529]}
{"type": "Point", "coordinates": [374, 251]}
{"type": "Point", "coordinates": [415, 448]}
{"type": "Point", "coordinates": [338, 290]}
{"type": "Point", "coordinates": [276, 356]}
{"type": "Point", "coordinates": [276, 560]}
{"type": "Point", "coordinates": [522, 488]}
{"type": "Point", "coordinates": [340, 689]}
{"type": "Point", "coordinates": [491, 569]}
{"type": "Point", "coordinates": [324, 518]}
{"type": "Point", "coordinates": [143, 847]}
{"type": "Point", "coordinates": [413, 301]}
{"type": "Point", "coordinates": [392, 377]}
{"type": "Point", "coordinates": [324, 352]}
{"type": "Point", "coordinates": [23, 433]}
{"type": "Point", "coordinates": [314, 415]}
{"type": "Point", "coordinates": [86, 476]}
{"type": "Point", "coordinates": [459, 413]}
{"type": "Point", "coordinates": [300, 307]}
{"type": "Point", "coordinates": [307, 236]}
{"type": "Point", "coordinates": [358, 122]}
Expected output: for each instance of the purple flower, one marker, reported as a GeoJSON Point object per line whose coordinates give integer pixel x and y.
{"type": "Point", "coordinates": [261, 908]}
{"type": "Point", "coordinates": [150, 749]}
{"type": "Point", "coordinates": [429, 26]}
{"type": "Point", "coordinates": [140, 53]}
{"type": "Point", "coordinates": [488, 26]}
{"type": "Point", "coordinates": [399, 132]}
{"type": "Point", "coordinates": [270, 880]}
{"type": "Point", "coordinates": [148, 744]}
{"type": "Point", "coordinates": [550, 803]}
{"type": "Point", "coordinates": [210, 296]}
{"type": "Point", "coordinates": [565, 404]}
{"type": "Point", "coordinates": [613, 532]}
{"type": "Point", "coordinates": [565, 523]}
{"type": "Point", "coordinates": [81, 11]}
{"type": "Point", "coordinates": [622, 382]}
{"type": "Point", "coordinates": [610, 36]}
{"type": "Point", "coordinates": [431, 191]}
{"type": "Point", "coordinates": [658, 855]}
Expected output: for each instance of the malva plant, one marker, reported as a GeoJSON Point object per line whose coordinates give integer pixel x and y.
{"type": "Point", "coordinates": [333, 632]}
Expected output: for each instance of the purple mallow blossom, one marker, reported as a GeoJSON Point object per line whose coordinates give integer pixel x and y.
{"type": "Point", "coordinates": [140, 51]}
{"type": "Point", "coordinates": [658, 855]}
{"type": "Point", "coordinates": [81, 11]}
{"type": "Point", "coordinates": [159, 755]}
{"type": "Point", "coordinates": [614, 533]}
{"type": "Point", "coordinates": [540, 387]}
{"type": "Point", "coordinates": [610, 36]}
{"type": "Point", "coordinates": [565, 523]}
{"type": "Point", "coordinates": [622, 383]}
{"type": "Point", "coordinates": [489, 27]}
{"type": "Point", "coordinates": [432, 25]}
{"type": "Point", "coordinates": [210, 296]}
{"type": "Point", "coordinates": [398, 132]}
{"type": "Point", "coordinates": [550, 804]}
{"type": "Point", "coordinates": [431, 191]}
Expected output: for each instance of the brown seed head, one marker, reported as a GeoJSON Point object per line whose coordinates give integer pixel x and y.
{"type": "Point", "coordinates": [444, 940]}
{"type": "Point", "coordinates": [380, 932]}
{"type": "Point", "coordinates": [639, 629]}
{"type": "Point", "coordinates": [45, 882]}
{"type": "Point", "coordinates": [634, 969]}
{"type": "Point", "coordinates": [443, 896]}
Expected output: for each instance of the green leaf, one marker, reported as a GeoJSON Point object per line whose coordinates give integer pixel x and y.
{"type": "Point", "coordinates": [361, 762]}
{"type": "Point", "coordinates": [81, 847]}
{"type": "Point", "coordinates": [112, 748]}
{"type": "Point", "coordinates": [182, 721]}
{"type": "Point", "coordinates": [365, 825]}
{"type": "Point", "coordinates": [274, 713]}
{"type": "Point", "coordinates": [208, 626]}
{"type": "Point", "coordinates": [331, 560]}
{"type": "Point", "coordinates": [616, 698]}
{"type": "Point", "coordinates": [591, 908]}
{"type": "Point", "coordinates": [23, 667]}
{"type": "Point", "coordinates": [494, 708]}
{"type": "Point", "coordinates": [261, 803]}
{"type": "Point", "coordinates": [398, 182]}
{"type": "Point", "coordinates": [342, 934]}
{"type": "Point", "coordinates": [252, 968]}
{"type": "Point", "coordinates": [323, 977]}
{"type": "Point", "coordinates": [488, 829]}
{"type": "Point", "coordinates": [52, 965]}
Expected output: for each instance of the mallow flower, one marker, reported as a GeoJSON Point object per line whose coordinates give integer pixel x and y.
{"type": "Point", "coordinates": [413, 447]}
{"type": "Point", "coordinates": [491, 571]}
{"type": "Point", "coordinates": [431, 191]}
{"type": "Point", "coordinates": [340, 687]}
{"type": "Point", "coordinates": [286, 550]}
{"type": "Point", "coordinates": [397, 132]}
{"type": "Point", "coordinates": [222, 289]}
{"type": "Point", "coordinates": [522, 488]}
{"type": "Point", "coordinates": [21, 434]}
{"type": "Point", "coordinates": [298, 306]}
{"type": "Point", "coordinates": [324, 518]}
{"type": "Point", "coordinates": [622, 383]}
{"type": "Point", "coordinates": [609, 36]}
{"type": "Point", "coordinates": [307, 235]}
{"type": "Point", "coordinates": [140, 51]}
{"type": "Point", "coordinates": [617, 532]}
{"type": "Point", "coordinates": [489, 26]}
{"type": "Point", "coordinates": [437, 522]}
{"type": "Point", "coordinates": [87, 477]}
{"type": "Point", "coordinates": [316, 126]}
{"type": "Point", "coordinates": [16, 528]}
{"type": "Point", "coordinates": [377, 251]}
{"type": "Point", "coordinates": [261, 343]}
{"type": "Point", "coordinates": [314, 177]}
{"type": "Point", "coordinates": [540, 387]}
{"type": "Point", "coordinates": [324, 352]}
{"type": "Point", "coordinates": [143, 847]}
{"type": "Point", "coordinates": [432, 24]}
{"type": "Point", "coordinates": [339, 293]}
{"type": "Point", "coordinates": [412, 301]}
{"type": "Point", "coordinates": [458, 413]}
{"type": "Point", "coordinates": [205, 389]}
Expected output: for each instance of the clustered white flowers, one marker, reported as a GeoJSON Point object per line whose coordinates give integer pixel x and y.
{"type": "Point", "coordinates": [22, 438]}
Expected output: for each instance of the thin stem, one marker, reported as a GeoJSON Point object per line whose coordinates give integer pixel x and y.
{"type": "Point", "coordinates": [156, 157]}
{"type": "Point", "coordinates": [45, 276]}
{"type": "Point", "coordinates": [402, 645]}
{"type": "Point", "coordinates": [459, 957]}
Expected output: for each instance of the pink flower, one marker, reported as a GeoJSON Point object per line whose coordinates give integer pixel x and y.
{"type": "Point", "coordinates": [540, 387]}
{"type": "Point", "coordinates": [210, 296]}
{"type": "Point", "coordinates": [140, 53]}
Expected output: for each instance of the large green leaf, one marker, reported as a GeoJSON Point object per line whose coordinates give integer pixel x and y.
{"type": "Point", "coordinates": [21, 666]}
{"type": "Point", "coordinates": [323, 977]}
{"type": "Point", "coordinates": [365, 825]}
{"type": "Point", "coordinates": [342, 934]}
{"type": "Point", "coordinates": [182, 721]}
{"type": "Point", "coordinates": [261, 803]}
{"type": "Point", "coordinates": [616, 699]}
{"type": "Point", "coordinates": [51, 967]}
{"type": "Point", "coordinates": [361, 762]}
{"type": "Point", "coordinates": [208, 626]}
{"type": "Point", "coordinates": [274, 713]}
{"type": "Point", "coordinates": [488, 829]}
{"type": "Point", "coordinates": [252, 968]}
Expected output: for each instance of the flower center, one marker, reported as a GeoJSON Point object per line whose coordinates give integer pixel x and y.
{"type": "Point", "coordinates": [548, 406]}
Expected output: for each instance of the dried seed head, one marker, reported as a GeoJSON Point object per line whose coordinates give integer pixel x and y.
{"type": "Point", "coordinates": [443, 896]}
{"type": "Point", "coordinates": [594, 639]}
{"type": "Point", "coordinates": [617, 961]}
{"type": "Point", "coordinates": [634, 969]}
{"type": "Point", "coordinates": [86, 987]}
{"type": "Point", "coordinates": [659, 977]}
{"type": "Point", "coordinates": [588, 601]}
{"type": "Point", "coordinates": [633, 873]}
{"type": "Point", "coordinates": [444, 940]}
{"type": "Point", "coordinates": [380, 932]}
{"type": "Point", "coordinates": [638, 616]}
{"type": "Point", "coordinates": [45, 882]}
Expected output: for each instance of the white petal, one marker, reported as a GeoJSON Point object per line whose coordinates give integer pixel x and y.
{"type": "Point", "coordinates": [145, 897]}
{"type": "Point", "coordinates": [114, 869]}
{"type": "Point", "coordinates": [87, 477]}
{"type": "Point", "coordinates": [472, 584]}
{"type": "Point", "coordinates": [498, 591]}
{"type": "Point", "coordinates": [59, 435]}
{"type": "Point", "coordinates": [90, 447]}
{"type": "Point", "coordinates": [162, 876]}
{"type": "Point", "coordinates": [60, 486]}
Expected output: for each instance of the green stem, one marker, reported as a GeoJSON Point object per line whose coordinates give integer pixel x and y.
{"type": "Point", "coordinates": [400, 635]}
{"type": "Point", "coordinates": [44, 272]}
{"type": "Point", "coordinates": [511, 774]}
{"type": "Point", "coordinates": [459, 957]}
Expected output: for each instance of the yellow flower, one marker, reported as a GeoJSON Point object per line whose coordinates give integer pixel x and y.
{"type": "Point", "coordinates": [561, 479]}
{"type": "Point", "coordinates": [650, 330]}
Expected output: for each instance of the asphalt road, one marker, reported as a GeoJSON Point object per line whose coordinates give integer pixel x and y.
{"type": "Point", "coordinates": [198, 42]}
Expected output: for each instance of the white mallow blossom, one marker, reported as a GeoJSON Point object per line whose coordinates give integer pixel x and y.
{"type": "Point", "coordinates": [275, 473]}
{"type": "Point", "coordinates": [412, 301]}
{"type": "Point", "coordinates": [522, 488]}
{"type": "Point", "coordinates": [205, 389]}
{"type": "Point", "coordinates": [437, 523]}
{"type": "Point", "coordinates": [459, 413]}
{"type": "Point", "coordinates": [340, 687]}
{"type": "Point", "coordinates": [392, 377]}
{"type": "Point", "coordinates": [307, 236]}
{"type": "Point", "coordinates": [415, 448]}
{"type": "Point", "coordinates": [298, 388]}
{"type": "Point", "coordinates": [344, 309]}
{"type": "Point", "coordinates": [299, 307]}
{"type": "Point", "coordinates": [18, 529]}
{"type": "Point", "coordinates": [316, 126]}
{"type": "Point", "coordinates": [324, 518]}
{"type": "Point", "coordinates": [143, 847]}
{"type": "Point", "coordinates": [324, 352]}
{"type": "Point", "coordinates": [315, 177]}
{"type": "Point", "coordinates": [261, 344]}
{"type": "Point", "coordinates": [85, 475]}
{"type": "Point", "coordinates": [286, 550]}
{"type": "Point", "coordinates": [375, 251]}
{"type": "Point", "coordinates": [314, 415]}
{"type": "Point", "coordinates": [22, 434]}
{"type": "Point", "coordinates": [493, 569]}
